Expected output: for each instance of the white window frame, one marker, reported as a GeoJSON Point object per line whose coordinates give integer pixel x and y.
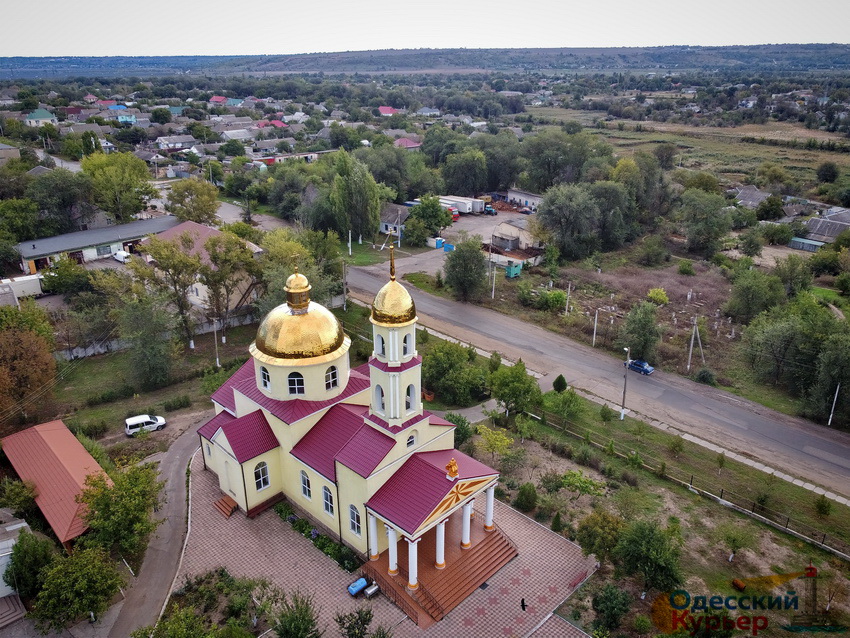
{"type": "Point", "coordinates": [328, 500]}
{"type": "Point", "coordinates": [354, 523]}
{"type": "Point", "coordinates": [331, 378]}
{"type": "Point", "coordinates": [306, 488]}
{"type": "Point", "coordinates": [410, 398]}
{"type": "Point", "coordinates": [380, 399]}
{"type": "Point", "coordinates": [265, 377]}
{"type": "Point", "coordinates": [261, 476]}
{"type": "Point", "coordinates": [405, 345]}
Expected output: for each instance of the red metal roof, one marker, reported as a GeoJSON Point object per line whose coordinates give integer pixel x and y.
{"type": "Point", "coordinates": [249, 436]}
{"type": "Point", "coordinates": [224, 395]}
{"type": "Point", "coordinates": [208, 429]}
{"type": "Point", "coordinates": [218, 98]}
{"type": "Point", "coordinates": [293, 410]}
{"type": "Point", "coordinates": [404, 142]}
{"type": "Point", "coordinates": [387, 110]}
{"type": "Point", "coordinates": [386, 367]}
{"type": "Point", "coordinates": [199, 233]}
{"type": "Point", "coordinates": [342, 435]}
{"type": "Point", "coordinates": [420, 485]}
{"type": "Point", "coordinates": [57, 464]}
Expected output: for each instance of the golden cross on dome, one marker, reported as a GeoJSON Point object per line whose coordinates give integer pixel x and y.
{"type": "Point", "coordinates": [392, 264]}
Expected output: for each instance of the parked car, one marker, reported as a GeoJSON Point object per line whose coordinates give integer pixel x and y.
{"type": "Point", "coordinates": [143, 422]}
{"type": "Point", "coordinates": [526, 210]}
{"type": "Point", "coordinates": [122, 255]}
{"type": "Point", "coordinates": [639, 365]}
{"type": "Point", "coordinates": [489, 210]}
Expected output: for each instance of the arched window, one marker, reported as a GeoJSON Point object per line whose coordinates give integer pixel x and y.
{"type": "Point", "coordinates": [405, 345]}
{"type": "Point", "coordinates": [261, 476]}
{"type": "Point", "coordinates": [331, 378]}
{"type": "Point", "coordinates": [354, 519]}
{"type": "Point", "coordinates": [379, 346]}
{"type": "Point", "coordinates": [410, 398]}
{"type": "Point", "coordinates": [411, 440]}
{"type": "Point", "coordinates": [265, 378]}
{"type": "Point", "coordinates": [328, 500]}
{"type": "Point", "coordinates": [296, 383]}
{"type": "Point", "coordinates": [379, 398]}
{"type": "Point", "coordinates": [305, 485]}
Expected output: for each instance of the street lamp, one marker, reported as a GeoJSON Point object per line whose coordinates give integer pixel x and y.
{"type": "Point", "coordinates": [625, 382]}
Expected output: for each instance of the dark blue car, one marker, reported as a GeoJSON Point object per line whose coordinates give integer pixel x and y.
{"type": "Point", "coordinates": [639, 365]}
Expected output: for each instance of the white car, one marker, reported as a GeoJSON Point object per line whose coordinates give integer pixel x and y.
{"type": "Point", "coordinates": [143, 422]}
{"type": "Point", "coordinates": [122, 255]}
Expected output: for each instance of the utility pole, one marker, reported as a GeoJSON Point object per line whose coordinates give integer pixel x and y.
{"type": "Point", "coordinates": [625, 382]}
{"type": "Point", "coordinates": [691, 349]}
{"type": "Point", "coordinates": [834, 401]}
{"type": "Point", "coordinates": [569, 288]}
{"type": "Point", "coordinates": [595, 320]}
{"type": "Point", "coordinates": [493, 294]}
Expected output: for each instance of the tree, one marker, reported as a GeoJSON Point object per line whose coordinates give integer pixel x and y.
{"type": "Point", "coordinates": [736, 536]}
{"type": "Point", "coordinates": [27, 368]}
{"type": "Point", "coordinates": [415, 232]}
{"type": "Point", "coordinates": [794, 273]}
{"type": "Point", "coordinates": [74, 586]}
{"type": "Point", "coordinates": [555, 157]}
{"type": "Point", "coordinates": [446, 370]}
{"type": "Point", "coordinates": [751, 242]}
{"type": "Point", "coordinates": [194, 200]}
{"type": "Point", "coordinates": [19, 218]}
{"type": "Point", "coordinates": [465, 173]}
{"type": "Point", "coordinates": [611, 605]}
{"type": "Point", "coordinates": [665, 153]}
{"type": "Point", "coordinates": [181, 622]}
{"type": "Point", "coordinates": [432, 214]}
{"type": "Point", "coordinates": [175, 270]}
{"type": "Point", "coordinates": [160, 116]}
{"type": "Point", "coordinates": [120, 183]}
{"type": "Point", "coordinates": [463, 429]}
{"type": "Point", "coordinates": [495, 441]}
{"type": "Point", "coordinates": [297, 617]}
{"type": "Point", "coordinates": [831, 370]}
{"type": "Point", "coordinates": [644, 548]}
{"type": "Point", "coordinates": [119, 512]}
{"type": "Point", "coordinates": [147, 325]}
{"type": "Point", "coordinates": [466, 269]}
{"type": "Point", "coordinates": [18, 496]}
{"type": "Point", "coordinates": [230, 265]}
{"type": "Point", "coordinates": [641, 332]}
{"type": "Point", "coordinates": [827, 172]}
{"type": "Point", "coordinates": [232, 148]}
{"type": "Point", "coordinates": [514, 388]}
{"type": "Point", "coordinates": [31, 556]}
{"type": "Point", "coordinates": [771, 208]}
{"type": "Point", "coordinates": [559, 384]}
{"type": "Point", "coordinates": [569, 213]}
{"type": "Point", "coordinates": [355, 196]}
{"type": "Point", "coordinates": [752, 293]}
{"type": "Point", "coordinates": [704, 220]}
{"type": "Point", "coordinates": [598, 533]}
{"type": "Point", "coordinates": [356, 624]}
{"type": "Point", "coordinates": [30, 316]}
{"type": "Point", "coordinates": [66, 277]}
{"type": "Point", "coordinates": [575, 481]}
{"type": "Point", "coordinates": [615, 212]}
{"type": "Point", "coordinates": [91, 143]}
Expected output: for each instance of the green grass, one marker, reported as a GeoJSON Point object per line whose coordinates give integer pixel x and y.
{"type": "Point", "coordinates": [830, 295]}
{"type": "Point", "coordinates": [745, 384]}
{"type": "Point", "coordinates": [427, 283]}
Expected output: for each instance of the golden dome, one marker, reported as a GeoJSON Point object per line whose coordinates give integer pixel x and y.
{"type": "Point", "coordinates": [393, 305]}
{"type": "Point", "coordinates": [298, 329]}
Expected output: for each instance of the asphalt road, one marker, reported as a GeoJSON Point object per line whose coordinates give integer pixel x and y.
{"type": "Point", "coordinates": [147, 595]}
{"type": "Point", "coordinates": [796, 446]}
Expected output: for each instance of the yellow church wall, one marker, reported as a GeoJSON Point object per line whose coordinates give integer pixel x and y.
{"type": "Point", "coordinates": [428, 438]}
{"type": "Point", "coordinates": [353, 490]}
{"type": "Point", "coordinates": [313, 506]}
{"type": "Point", "coordinates": [254, 496]}
{"type": "Point", "coordinates": [314, 376]}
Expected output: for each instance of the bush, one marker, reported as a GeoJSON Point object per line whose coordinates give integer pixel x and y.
{"type": "Point", "coordinates": [658, 296]}
{"type": "Point", "coordinates": [302, 526]}
{"type": "Point", "coordinates": [642, 625]}
{"type": "Point", "coordinates": [424, 335]}
{"type": "Point", "coordinates": [629, 478]}
{"type": "Point", "coordinates": [495, 362]}
{"type": "Point", "coordinates": [557, 525]}
{"type": "Point", "coordinates": [652, 252]}
{"type": "Point", "coordinates": [676, 445]}
{"type": "Point", "coordinates": [551, 482]}
{"type": "Point", "coordinates": [526, 499]}
{"type": "Point", "coordinates": [606, 414]}
{"type": "Point", "coordinates": [183, 401]}
{"type": "Point", "coordinates": [438, 280]}
{"type": "Point", "coordinates": [124, 392]}
{"type": "Point", "coordinates": [686, 267]}
{"type": "Point", "coordinates": [284, 510]}
{"type": "Point", "coordinates": [90, 429]}
{"type": "Point", "coordinates": [524, 294]}
{"type": "Point", "coordinates": [842, 282]}
{"type": "Point", "coordinates": [583, 455]}
{"type": "Point", "coordinates": [610, 605]}
{"type": "Point", "coordinates": [559, 384]}
{"type": "Point", "coordinates": [823, 506]}
{"type": "Point", "coordinates": [463, 430]}
{"type": "Point", "coordinates": [705, 376]}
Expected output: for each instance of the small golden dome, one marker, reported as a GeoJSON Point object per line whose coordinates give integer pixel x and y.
{"type": "Point", "coordinates": [300, 328]}
{"type": "Point", "coordinates": [393, 305]}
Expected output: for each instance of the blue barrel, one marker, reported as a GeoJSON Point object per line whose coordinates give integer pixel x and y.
{"type": "Point", "coordinates": [448, 248]}
{"type": "Point", "coordinates": [357, 586]}
{"type": "Point", "coordinates": [439, 242]}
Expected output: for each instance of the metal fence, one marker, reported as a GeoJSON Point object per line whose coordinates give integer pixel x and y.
{"type": "Point", "coordinates": [711, 489]}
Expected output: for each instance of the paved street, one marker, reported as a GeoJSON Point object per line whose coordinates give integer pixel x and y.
{"type": "Point", "coordinates": [801, 448]}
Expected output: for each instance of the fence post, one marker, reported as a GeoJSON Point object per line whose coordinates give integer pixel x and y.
{"type": "Point", "coordinates": [754, 508]}
{"type": "Point", "coordinates": [823, 542]}
{"type": "Point", "coordinates": [787, 520]}
{"type": "Point", "coordinates": [691, 484]}
{"type": "Point", "coordinates": [721, 493]}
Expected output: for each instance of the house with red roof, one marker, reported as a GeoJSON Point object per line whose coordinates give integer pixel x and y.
{"type": "Point", "coordinates": [407, 143]}
{"type": "Point", "coordinates": [51, 458]}
{"type": "Point", "coordinates": [218, 100]}
{"type": "Point", "coordinates": [354, 451]}
{"type": "Point", "coordinates": [386, 111]}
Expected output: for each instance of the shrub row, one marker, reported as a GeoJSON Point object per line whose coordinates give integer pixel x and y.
{"type": "Point", "coordinates": [124, 392]}
{"type": "Point", "coordinates": [183, 401]}
{"type": "Point", "coordinates": [342, 554]}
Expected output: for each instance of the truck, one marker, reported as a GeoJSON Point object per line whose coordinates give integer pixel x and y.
{"type": "Point", "coordinates": [462, 207]}
{"type": "Point", "coordinates": [466, 204]}
{"type": "Point", "coordinates": [25, 285]}
{"type": "Point", "coordinates": [444, 205]}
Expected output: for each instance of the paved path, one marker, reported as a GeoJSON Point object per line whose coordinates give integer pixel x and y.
{"type": "Point", "coordinates": [267, 547]}
{"type": "Point", "coordinates": [815, 453]}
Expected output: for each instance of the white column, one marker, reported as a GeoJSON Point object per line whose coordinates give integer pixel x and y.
{"type": "Point", "coordinates": [392, 537]}
{"type": "Point", "coordinates": [373, 537]}
{"type": "Point", "coordinates": [488, 512]}
{"type": "Point", "coordinates": [412, 564]}
{"type": "Point", "coordinates": [440, 560]}
{"type": "Point", "coordinates": [465, 542]}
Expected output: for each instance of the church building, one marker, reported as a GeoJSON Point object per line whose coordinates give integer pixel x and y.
{"type": "Point", "coordinates": [351, 448]}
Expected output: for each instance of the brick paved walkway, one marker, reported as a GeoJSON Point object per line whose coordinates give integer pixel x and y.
{"type": "Point", "coordinates": [267, 547]}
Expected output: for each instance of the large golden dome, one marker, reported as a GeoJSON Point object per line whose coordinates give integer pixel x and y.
{"type": "Point", "coordinates": [299, 328]}
{"type": "Point", "coordinates": [393, 305]}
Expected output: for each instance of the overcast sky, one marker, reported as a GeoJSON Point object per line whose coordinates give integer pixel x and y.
{"type": "Point", "coordinates": [216, 27]}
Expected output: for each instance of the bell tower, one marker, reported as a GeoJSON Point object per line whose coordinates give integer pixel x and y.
{"type": "Point", "coordinates": [395, 367]}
